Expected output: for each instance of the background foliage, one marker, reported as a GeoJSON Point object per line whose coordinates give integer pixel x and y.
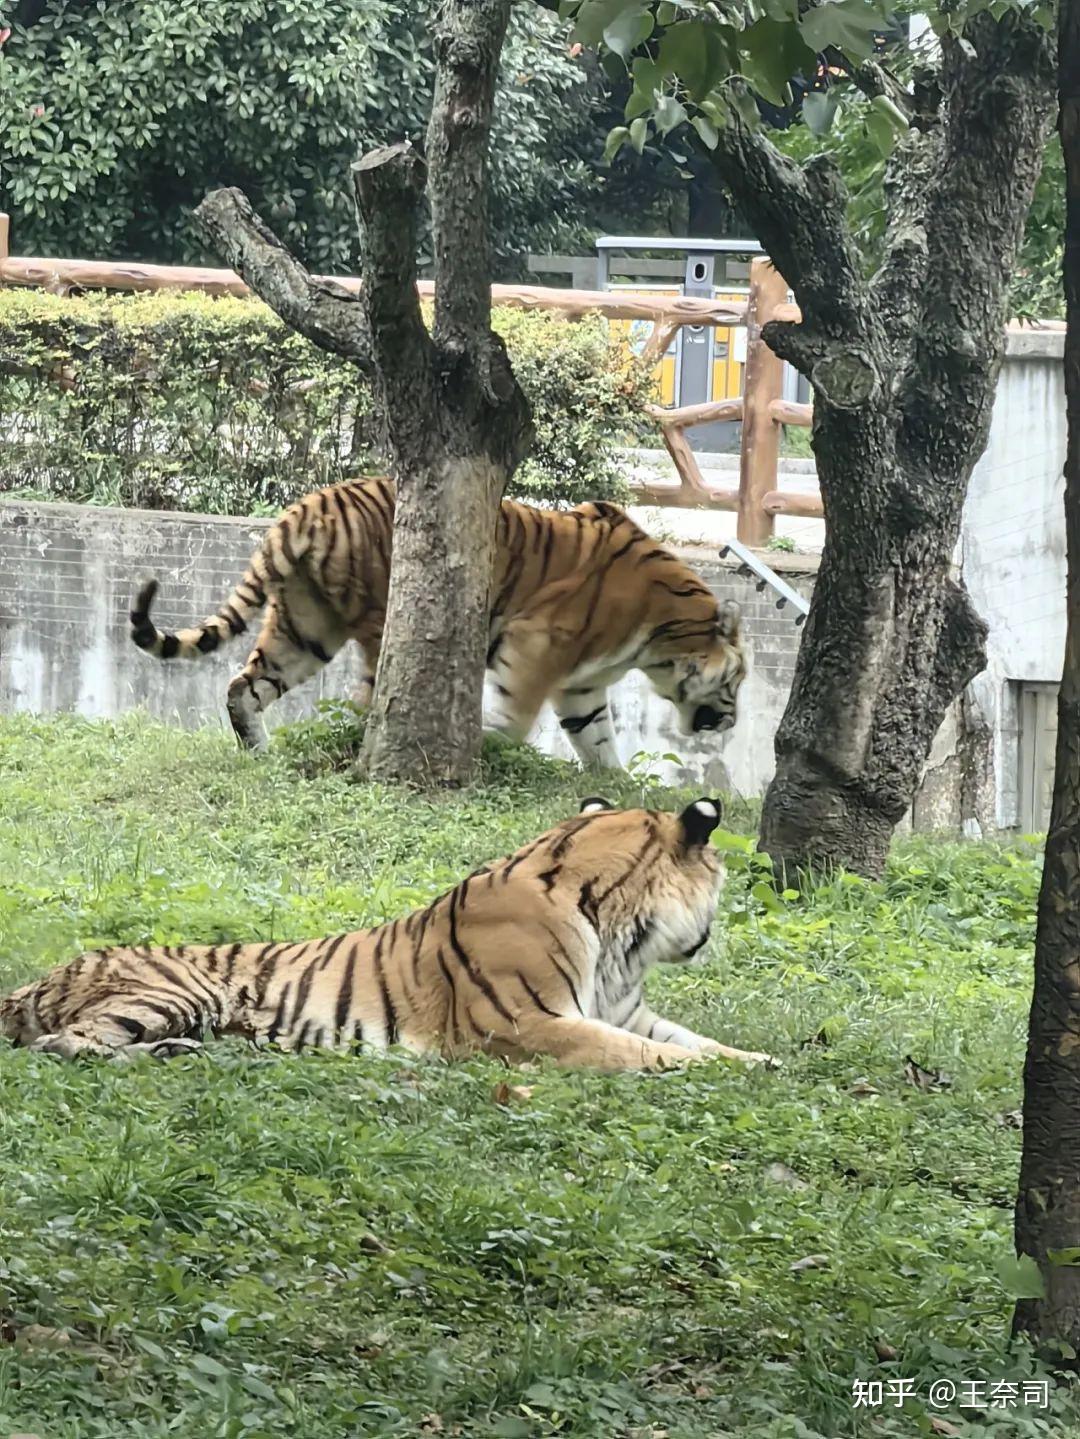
{"type": "Point", "coordinates": [166, 401]}
{"type": "Point", "coordinates": [116, 119]}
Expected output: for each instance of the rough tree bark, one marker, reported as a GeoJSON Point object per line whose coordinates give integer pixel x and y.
{"type": "Point", "coordinates": [903, 367]}
{"type": "Point", "coordinates": [457, 423]}
{"type": "Point", "coordinates": [1048, 1203]}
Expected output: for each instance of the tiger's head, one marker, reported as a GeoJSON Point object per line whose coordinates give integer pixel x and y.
{"type": "Point", "coordinates": [648, 872]}
{"type": "Point", "coordinates": [702, 676]}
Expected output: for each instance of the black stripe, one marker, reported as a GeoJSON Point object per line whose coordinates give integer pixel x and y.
{"type": "Point", "coordinates": [303, 990]}
{"type": "Point", "coordinates": [389, 1014]}
{"type": "Point", "coordinates": [480, 980]}
{"type": "Point", "coordinates": [574, 724]}
{"type": "Point", "coordinates": [331, 949]}
{"type": "Point", "coordinates": [345, 994]}
{"type": "Point", "coordinates": [133, 1027]}
{"type": "Point", "coordinates": [535, 997]}
{"type": "Point", "coordinates": [170, 647]}
{"type": "Point", "coordinates": [277, 1024]}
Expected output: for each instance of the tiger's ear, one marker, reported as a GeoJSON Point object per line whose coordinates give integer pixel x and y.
{"type": "Point", "coordinates": [594, 804]}
{"type": "Point", "coordinates": [698, 820]}
{"type": "Point", "coordinates": [728, 616]}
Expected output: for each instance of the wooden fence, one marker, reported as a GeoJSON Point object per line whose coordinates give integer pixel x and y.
{"type": "Point", "coordinates": [762, 408]}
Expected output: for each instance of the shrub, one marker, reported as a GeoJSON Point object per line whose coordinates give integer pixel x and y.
{"type": "Point", "coordinates": [165, 401]}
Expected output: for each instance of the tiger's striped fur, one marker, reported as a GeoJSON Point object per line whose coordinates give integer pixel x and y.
{"type": "Point", "coordinates": [541, 953]}
{"type": "Point", "coordinates": [579, 598]}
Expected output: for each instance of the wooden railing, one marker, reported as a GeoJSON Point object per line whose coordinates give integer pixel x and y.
{"type": "Point", "coordinates": [761, 408]}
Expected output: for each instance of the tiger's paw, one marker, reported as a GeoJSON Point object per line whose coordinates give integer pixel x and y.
{"type": "Point", "coordinates": [711, 1049]}
{"type": "Point", "coordinates": [171, 1048]}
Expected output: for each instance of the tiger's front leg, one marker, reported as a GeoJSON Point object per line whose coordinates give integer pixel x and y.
{"type": "Point", "coordinates": [664, 1031]}
{"type": "Point", "coordinates": [585, 718]}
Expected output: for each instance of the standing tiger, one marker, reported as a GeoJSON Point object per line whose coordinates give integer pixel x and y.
{"type": "Point", "coordinates": [579, 598]}
{"type": "Point", "coordinates": [541, 953]}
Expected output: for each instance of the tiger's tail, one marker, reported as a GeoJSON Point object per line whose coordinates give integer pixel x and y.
{"type": "Point", "coordinates": [272, 562]}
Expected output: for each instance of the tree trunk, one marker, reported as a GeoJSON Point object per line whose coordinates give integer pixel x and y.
{"type": "Point", "coordinates": [457, 424]}
{"type": "Point", "coordinates": [1048, 1203]}
{"type": "Point", "coordinates": [904, 369]}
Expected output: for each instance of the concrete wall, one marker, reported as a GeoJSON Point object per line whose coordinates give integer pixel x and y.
{"type": "Point", "coordinates": [67, 574]}
{"type": "Point", "coordinates": [1012, 552]}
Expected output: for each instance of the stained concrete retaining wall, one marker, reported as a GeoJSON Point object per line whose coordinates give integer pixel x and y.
{"type": "Point", "coordinates": [67, 574]}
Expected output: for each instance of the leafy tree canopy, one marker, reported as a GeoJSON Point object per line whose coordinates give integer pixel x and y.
{"type": "Point", "coordinates": [685, 65]}
{"type": "Point", "coordinates": [116, 119]}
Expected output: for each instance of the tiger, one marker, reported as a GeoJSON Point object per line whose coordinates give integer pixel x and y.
{"type": "Point", "coordinates": [578, 599]}
{"type": "Point", "coordinates": [543, 953]}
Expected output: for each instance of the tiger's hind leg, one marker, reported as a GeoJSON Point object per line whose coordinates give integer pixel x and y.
{"type": "Point", "coordinates": [364, 692]}
{"type": "Point", "coordinates": [119, 1024]}
{"type": "Point", "coordinates": [282, 659]}
{"type": "Point", "coordinates": [585, 717]}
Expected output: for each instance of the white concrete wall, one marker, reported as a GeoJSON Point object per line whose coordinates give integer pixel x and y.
{"type": "Point", "coordinates": [1012, 546]}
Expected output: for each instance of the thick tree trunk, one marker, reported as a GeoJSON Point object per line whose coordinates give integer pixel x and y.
{"type": "Point", "coordinates": [456, 421]}
{"type": "Point", "coordinates": [457, 424]}
{"type": "Point", "coordinates": [904, 370]}
{"type": "Point", "coordinates": [1048, 1204]}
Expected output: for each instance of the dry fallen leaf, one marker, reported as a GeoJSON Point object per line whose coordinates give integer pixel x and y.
{"type": "Point", "coordinates": [884, 1351]}
{"type": "Point", "coordinates": [781, 1174]}
{"type": "Point", "coordinates": [810, 1261]}
{"type": "Point", "coordinates": [431, 1424]}
{"type": "Point", "coordinates": [373, 1244]}
{"type": "Point", "coordinates": [925, 1079]}
{"type": "Point", "coordinates": [512, 1093]}
{"type": "Point", "coordinates": [942, 1426]}
{"type": "Point", "coordinates": [863, 1086]}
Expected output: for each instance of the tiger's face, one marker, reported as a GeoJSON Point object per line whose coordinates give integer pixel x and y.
{"type": "Point", "coordinates": [704, 685]}
{"type": "Point", "coordinates": [660, 874]}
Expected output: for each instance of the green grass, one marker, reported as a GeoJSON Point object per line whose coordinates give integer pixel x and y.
{"type": "Point", "coordinates": [246, 1244]}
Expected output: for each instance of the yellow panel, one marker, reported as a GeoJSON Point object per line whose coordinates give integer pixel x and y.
{"type": "Point", "coordinates": [634, 335]}
{"type": "Point", "coordinates": [727, 376]}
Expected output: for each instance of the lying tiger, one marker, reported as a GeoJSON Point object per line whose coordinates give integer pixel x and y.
{"type": "Point", "coordinates": [542, 953]}
{"type": "Point", "coordinates": [579, 598]}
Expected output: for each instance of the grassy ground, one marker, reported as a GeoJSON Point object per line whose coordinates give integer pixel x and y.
{"type": "Point", "coordinates": [242, 1244]}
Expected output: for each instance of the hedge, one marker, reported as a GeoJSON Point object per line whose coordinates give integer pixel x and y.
{"type": "Point", "coordinates": [184, 402]}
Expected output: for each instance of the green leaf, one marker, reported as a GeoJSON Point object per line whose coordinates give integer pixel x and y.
{"type": "Point", "coordinates": [850, 25]}
{"type": "Point", "coordinates": [697, 54]}
{"type": "Point", "coordinates": [1070, 1256]}
{"type": "Point", "coordinates": [707, 131]}
{"type": "Point", "coordinates": [881, 133]}
{"type": "Point", "coordinates": [510, 1427]}
{"type": "Point", "coordinates": [1020, 1277]}
{"type": "Point", "coordinates": [669, 113]}
{"type": "Point", "coordinates": [639, 133]}
{"type": "Point", "coordinates": [615, 141]}
{"type": "Point", "coordinates": [819, 109]}
{"type": "Point", "coordinates": [627, 31]}
{"type": "Point", "coordinates": [775, 52]}
{"type": "Point", "coordinates": [639, 102]}
{"type": "Point", "coordinates": [892, 112]}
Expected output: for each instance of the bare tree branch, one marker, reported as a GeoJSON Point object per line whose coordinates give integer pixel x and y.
{"type": "Point", "coordinates": [896, 289]}
{"type": "Point", "coordinates": [325, 313]}
{"type": "Point", "coordinates": [467, 45]}
{"type": "Point", "coordinates": [993, 135]}
{"type": "Point", "coordinates": [797, 213]}
{"type": "Point", "coordinates": [389, 183]}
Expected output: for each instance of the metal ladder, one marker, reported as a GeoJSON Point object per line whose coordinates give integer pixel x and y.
{"type": "Point", "coordinates": [750, 565]}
